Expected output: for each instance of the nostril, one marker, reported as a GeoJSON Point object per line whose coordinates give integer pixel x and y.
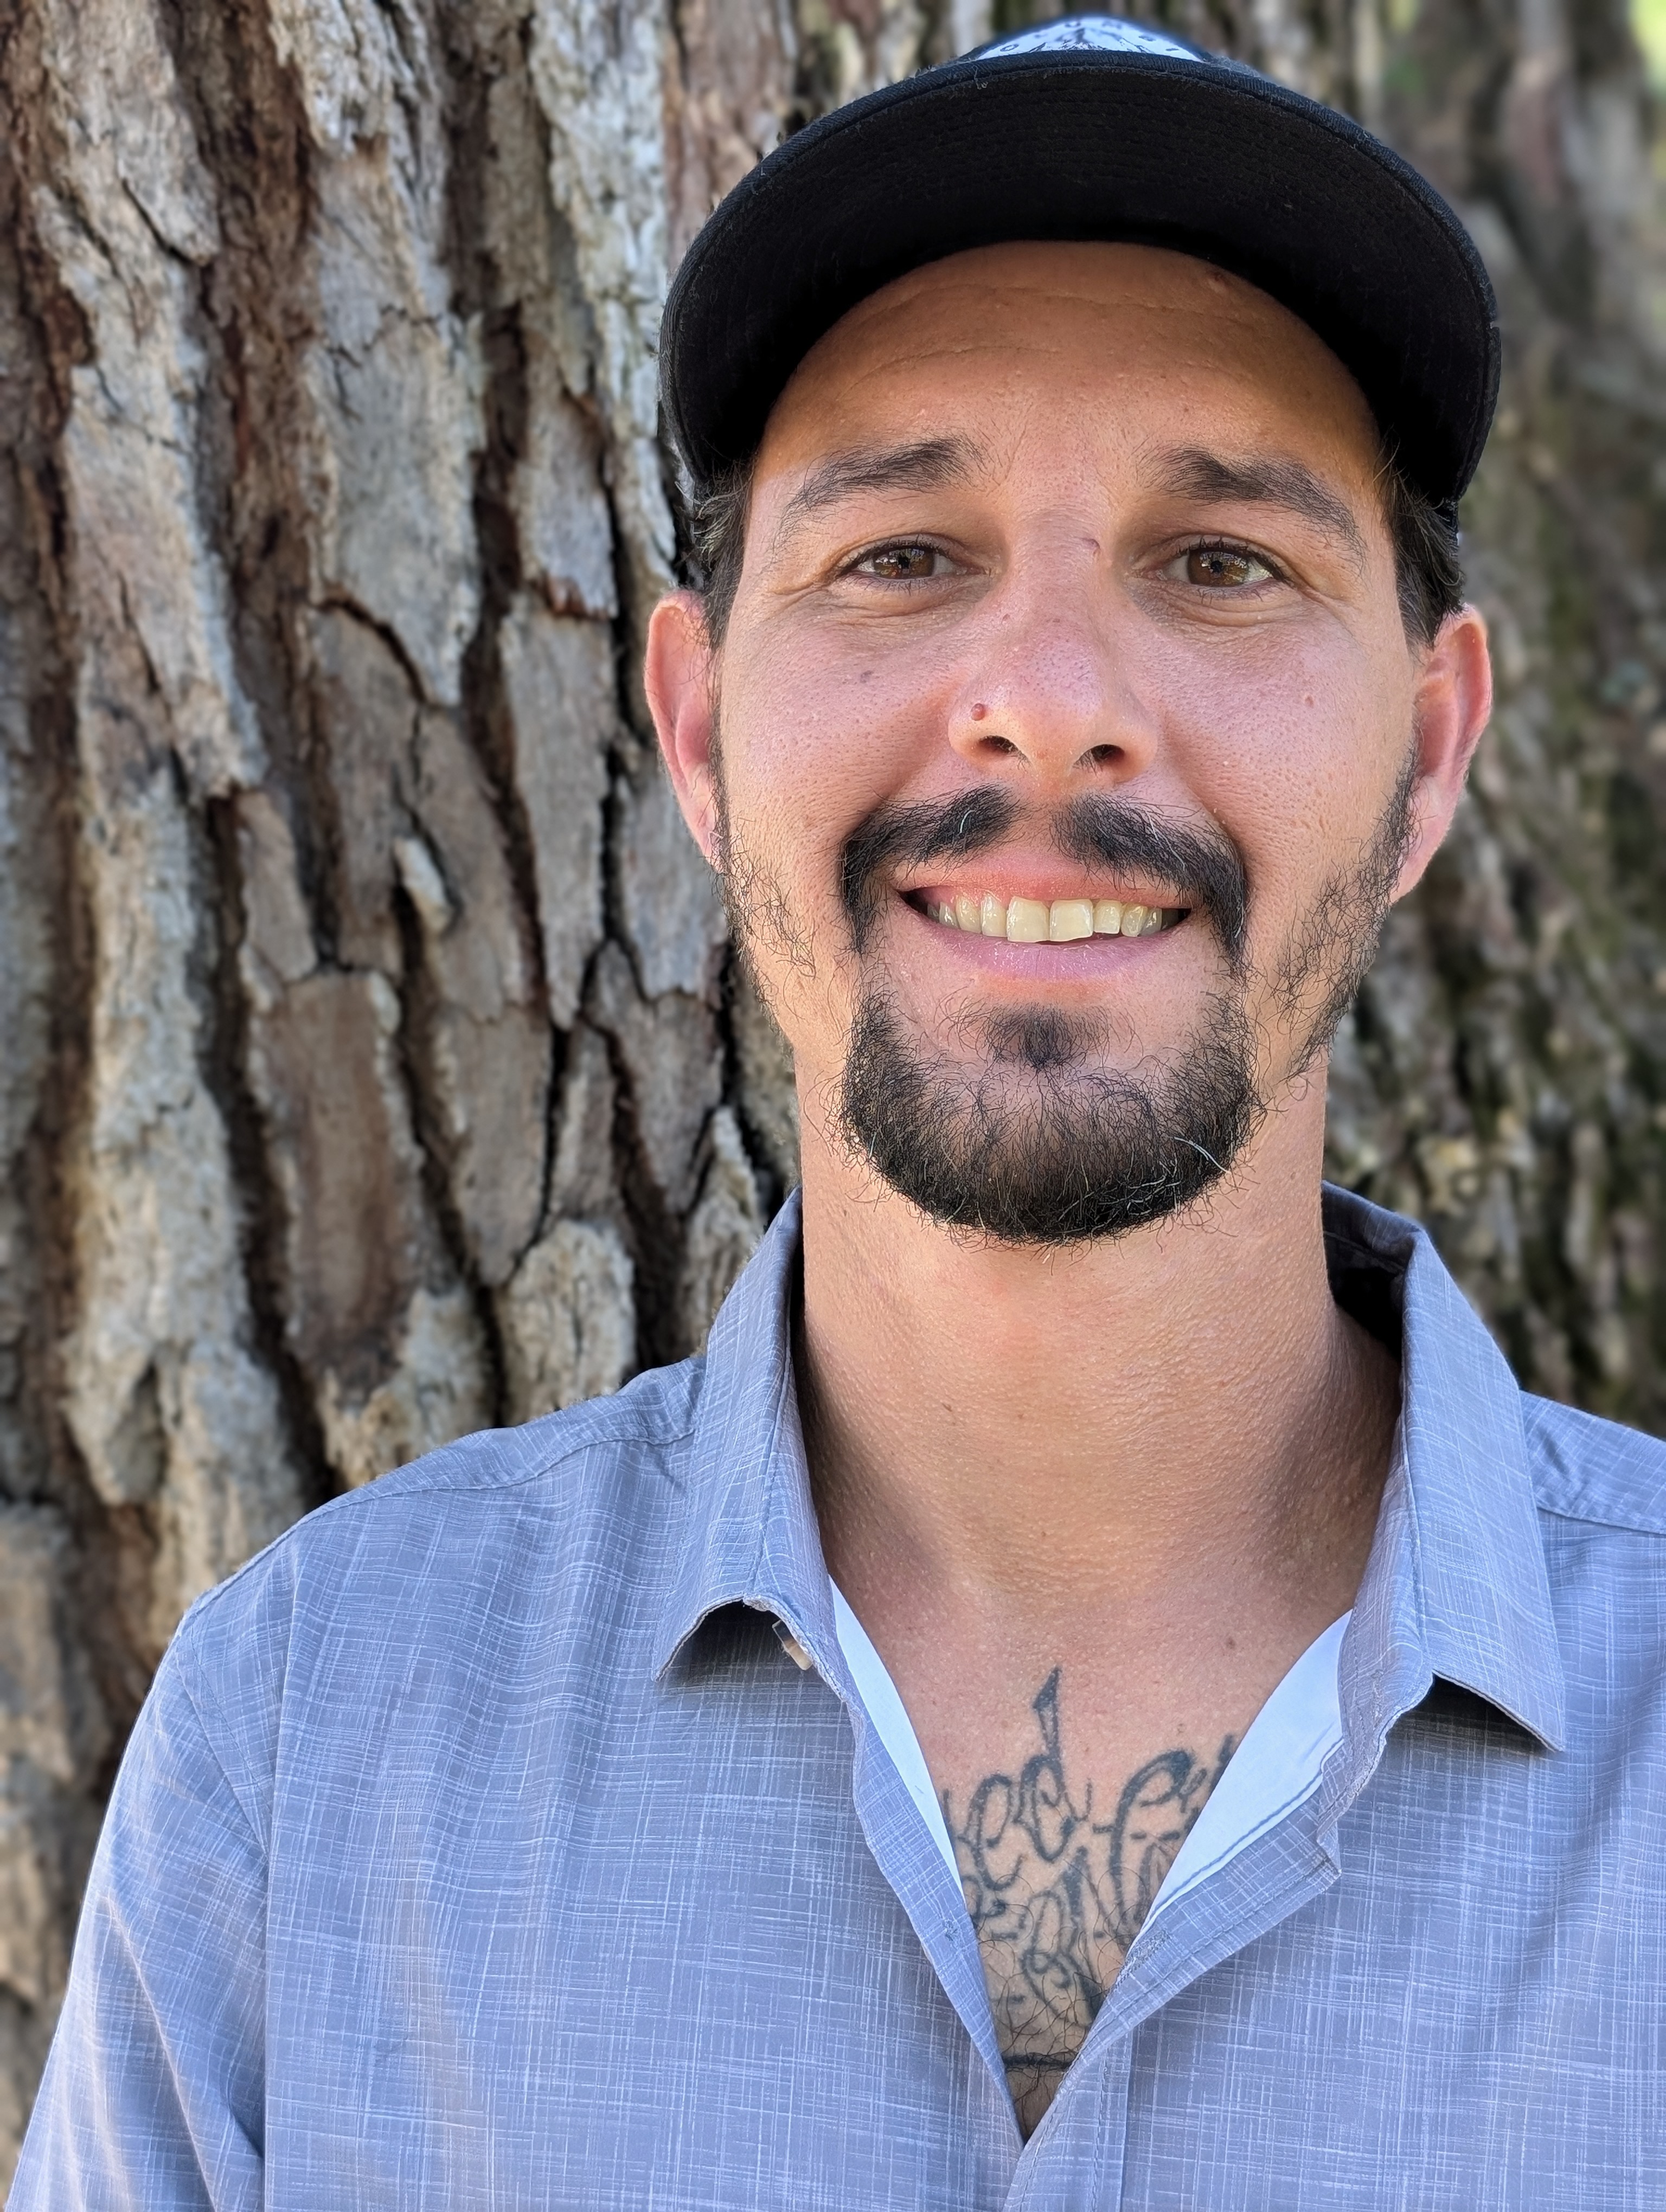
{"type": "Point", "coordinates": [997, 745]}
{"type": "Point", "coordinates": [1101, 757]}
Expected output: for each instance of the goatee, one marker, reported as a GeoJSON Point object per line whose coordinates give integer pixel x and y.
{"type": "Point", "coordinates": [1034, 1144]}
{"type": "Point", "coordinates": [1038, 1147]}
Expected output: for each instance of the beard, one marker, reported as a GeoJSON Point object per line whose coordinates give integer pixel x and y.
{"type": "Point", "coordinates": [1039, 1146]}
{"type": "Point", "coordinates": [1032, 1140]}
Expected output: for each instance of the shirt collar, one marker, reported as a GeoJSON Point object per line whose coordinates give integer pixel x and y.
{"type": "Point", "coordinates": [1456, 1575]}
{"type": "Point", "coordinates": [751, 1535]}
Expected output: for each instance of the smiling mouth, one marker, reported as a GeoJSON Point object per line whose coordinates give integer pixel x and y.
{"type": "Point", "coordinates": [1041, 921]}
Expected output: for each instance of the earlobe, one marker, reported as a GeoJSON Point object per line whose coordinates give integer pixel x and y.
{"type": "Point", "coordinates": [1451, 707]}
{"type": "Point", "coordinates": [679, 679]}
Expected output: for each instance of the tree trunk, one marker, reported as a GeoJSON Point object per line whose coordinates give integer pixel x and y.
{"type": "Point", "coordinates": [372, 1062]}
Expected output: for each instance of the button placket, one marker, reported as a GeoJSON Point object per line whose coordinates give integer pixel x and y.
{"type": "Point", "coordinates": [1073, 2161]}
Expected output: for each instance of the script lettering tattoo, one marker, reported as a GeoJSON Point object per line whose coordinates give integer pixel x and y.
{"type": "Point", "coordinates": [1057, 1895]}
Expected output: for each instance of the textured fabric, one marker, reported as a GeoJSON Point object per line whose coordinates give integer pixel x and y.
{"type": "Point", "coordinates": [479, 1845]}
{"type": "Point", "coordinates": [883, 1705]}
{"type": "Point", "coordinates": [1281, 1761]}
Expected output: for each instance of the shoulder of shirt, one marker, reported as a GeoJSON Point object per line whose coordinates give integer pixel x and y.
{"type": "Point", "coordinates": [1585, 1468]}
{"type": "Point", "coordinates": [575, 1449]}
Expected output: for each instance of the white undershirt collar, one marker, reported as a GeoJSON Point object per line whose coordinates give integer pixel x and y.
{"type": "Point", "coordinates": [1277, 1765]}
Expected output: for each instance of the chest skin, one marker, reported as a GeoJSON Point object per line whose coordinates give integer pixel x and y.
{"type": "Point", "coordinates": [1059, 1870]}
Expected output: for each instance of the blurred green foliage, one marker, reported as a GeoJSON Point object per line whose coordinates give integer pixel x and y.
{"type": "Point", "coordinates": [1649, 22]}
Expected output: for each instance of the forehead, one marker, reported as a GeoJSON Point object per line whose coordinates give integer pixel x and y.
{"type": "Point", "coordinates": [1083, 345]}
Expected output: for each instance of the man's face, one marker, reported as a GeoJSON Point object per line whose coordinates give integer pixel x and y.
{"type": "Point", "coordinates": [1066, 588]}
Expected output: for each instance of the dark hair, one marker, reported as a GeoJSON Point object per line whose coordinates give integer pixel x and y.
{"type": "Point", "coordinates": [1427, 572]}
{"type": "Point", "coordinates": [1428, 575]}
{"type": "Point", "coordinates": [716, 515]}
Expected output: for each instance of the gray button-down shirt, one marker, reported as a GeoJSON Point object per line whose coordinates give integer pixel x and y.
{"type": "Point", "coordinates": [480, 1847]}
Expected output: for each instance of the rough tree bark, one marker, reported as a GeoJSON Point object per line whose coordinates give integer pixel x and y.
{"type": "Point", "coordinates": [372, 1062]}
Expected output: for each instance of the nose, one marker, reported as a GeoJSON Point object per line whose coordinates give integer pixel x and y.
{"type": "Point", "coordinates": [1051, 692]}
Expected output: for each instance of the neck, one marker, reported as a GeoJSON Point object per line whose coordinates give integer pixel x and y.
{"type": "Point", "coordinates": [1083, 1430]}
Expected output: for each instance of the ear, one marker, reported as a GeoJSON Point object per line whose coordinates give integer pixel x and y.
{"type": "Point", "coordinates": [1452, 704]}
{"type": "Point", "coordinates": [678, 677]}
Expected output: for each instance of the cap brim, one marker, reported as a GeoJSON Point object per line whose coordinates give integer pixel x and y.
{"type": "Point", "coordinates": [1200, 156]}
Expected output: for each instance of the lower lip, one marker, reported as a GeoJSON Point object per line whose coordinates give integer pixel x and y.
{"type": "Point", "coordinates": [1083, 959]}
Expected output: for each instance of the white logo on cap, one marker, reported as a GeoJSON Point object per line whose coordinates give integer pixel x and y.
{"type": "Point", "coordinates": [1104, 34]}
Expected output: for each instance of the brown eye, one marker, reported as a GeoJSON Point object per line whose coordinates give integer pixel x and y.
{"type": "Point", "coordinates": [905, 564]}
{"type": "Point", "coordinates": [1223, 567]}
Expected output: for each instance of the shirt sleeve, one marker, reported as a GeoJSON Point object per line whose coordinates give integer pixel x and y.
{"type": "Point", "coordinates": [154, 2091]}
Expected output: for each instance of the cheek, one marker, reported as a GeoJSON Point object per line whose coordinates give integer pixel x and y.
{"type": "Point", "coordinates": [1294, 746]}
{"type": "Point", "coordinates": [812, 745]}
{"type": "Point", "coordinates": [813, 740]}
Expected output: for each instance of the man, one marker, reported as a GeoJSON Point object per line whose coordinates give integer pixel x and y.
{"type": "Point", "coordinates": [1098, 1690]}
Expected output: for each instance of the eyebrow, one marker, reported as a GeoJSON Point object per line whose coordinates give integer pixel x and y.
{"type": "Point", "coordinates": [924, 465]}
{"type": "Point", "coordinates": [1193, 472]}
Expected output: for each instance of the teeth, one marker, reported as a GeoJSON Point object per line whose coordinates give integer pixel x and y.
{"type": "Point", "coordinates": [1064, 922]}
{"type": "Point", "coordinates": [1069, 919]}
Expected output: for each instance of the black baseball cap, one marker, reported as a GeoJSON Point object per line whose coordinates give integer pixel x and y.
{"type": "Point", "coordinates": [1091, 128]}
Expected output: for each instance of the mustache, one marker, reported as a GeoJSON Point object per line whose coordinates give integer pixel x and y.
{"type": "Point", "coordinates": [1202, 866]}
